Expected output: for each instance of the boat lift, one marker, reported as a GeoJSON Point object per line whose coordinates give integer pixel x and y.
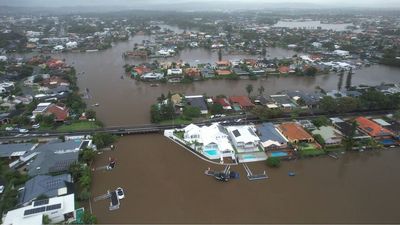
{"type": "Point", "coordinates": [252, 176]}
{"type": "Point", "coordinates": [224, 175]}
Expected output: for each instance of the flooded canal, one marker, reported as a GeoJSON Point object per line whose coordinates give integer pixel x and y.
{"type": "Point", "coordinates": [165, 184]}
{"type": "Point", "coordinates": [127, 102]}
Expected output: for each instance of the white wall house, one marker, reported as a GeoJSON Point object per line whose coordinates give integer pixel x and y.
{"type": "Point", "coordinates": [57, 209]}
{"type": "Point", "coordinates": [214, 140]}
{"type": "Point", "coordinates": [244, 138]}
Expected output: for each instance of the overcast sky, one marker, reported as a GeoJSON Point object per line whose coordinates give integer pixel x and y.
{"type": "Point", "coordinates": [146, 3]}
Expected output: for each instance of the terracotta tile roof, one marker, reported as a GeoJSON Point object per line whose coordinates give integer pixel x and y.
{"type": "Point", "coordinates": [371, 128]}
{"type": "Point", "coordinates": [294, 131]}
{"type": "Point", "coordinates": [243, 101]}
{"type": "Point", "coordinates": [60, 113]}
{"type": "Point", "coordinates": [222, 101]}
{"type": "Point", "coordinates": [223, 72]}
{"type": "Point", "coordinates": [284, 69]}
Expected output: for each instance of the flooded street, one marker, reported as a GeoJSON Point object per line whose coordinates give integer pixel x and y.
{"type": "Point", "coordinates": [165, 184]}
{"type": "Point", "coordinates": [127, 102]}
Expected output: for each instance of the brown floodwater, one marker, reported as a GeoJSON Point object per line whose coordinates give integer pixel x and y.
{"type": "Point", "coordinates": [164, 183]}
{"type": "Point", "coordinates": [127, 102]}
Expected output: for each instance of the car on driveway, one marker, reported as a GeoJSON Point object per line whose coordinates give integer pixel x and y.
{"type": "Point", "coordinates": [120, 193]}
{"type": "Point", "coordinates": [22, 130]}
{"type": "Point", "coordinates": [9, 128]}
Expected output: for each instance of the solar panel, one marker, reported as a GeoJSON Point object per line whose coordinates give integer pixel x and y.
{"type": "Point", "coordinates": [53, 207]}
{"type": "Point", "coordinates": [236, 133]}
{"type": "Point", "coordinates": [34, 210]}
{"type": "Point", "coordinates": [41, 202]}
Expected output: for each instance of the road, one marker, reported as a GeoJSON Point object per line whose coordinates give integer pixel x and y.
{"type": "Point", "coordinates": [154, 128]}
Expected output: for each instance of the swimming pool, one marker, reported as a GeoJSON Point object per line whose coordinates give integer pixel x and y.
{"type": "Point", "coordinates": [248, 157]}
{"type": "Point", "coordinates": [211, 152]}
{"type": "Point", "coordinates": [278, 154]}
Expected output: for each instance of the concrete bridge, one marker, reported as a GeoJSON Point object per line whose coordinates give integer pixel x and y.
{"type": "Point", "coordinates": [155, 128]}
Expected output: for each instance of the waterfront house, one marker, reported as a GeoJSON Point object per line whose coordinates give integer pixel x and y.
{"type": "Point", "coordinates": [174, 72]}
{"type": "Point", "coordinates": [50, 186]}
{"type": "Point", "coordinates": [223, 65]}
{"type": "Point", "coordinates": [58, 209]}
{"type": "Point", "coordinates": [41, 108]}
{"type": "Point", "coordinates": [212, 141]}
{"type": "Point", "coordinates": [244, 138]}
{"type": "Point", "coordinates": [330, 135]}
{"type": "Point", "coordinates": [346, 129]}
{"type": "Point", "coordinates": [373, 129]}
{"type": "Point", "coordinates": [197, 101]}
{"type": "Point", "coordinates": [240, 72]}
{"type": "Point", "coordinates": [61, 113]}
{"type": "Point", "coordinates": [152, 76]}
{"type": "Point", "coordinates": [207, 72]}
{"type": "Point", "coordinates": [283, 101]}
{"type": "Point", "coordinates": [243, 101]}
{"type": "Point", "coordinates": [284, 70]}
{"type": "Point", "coordinates": [270, 137]}
{"type": "Point", "coordinates": [54, 156]}
{"type": "Point", "coordinates": [295, 133]}
{"type": "Point", "coordinates": [193, 73]}
{"type": "Point", "coordinates": [223, 102]}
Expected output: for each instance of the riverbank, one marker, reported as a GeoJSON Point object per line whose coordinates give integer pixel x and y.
{"type": "Point", "coordinates": [169, 182]}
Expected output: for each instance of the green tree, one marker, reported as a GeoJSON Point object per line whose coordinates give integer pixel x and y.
{"type": "Point", "coordinates": [310, 71]}
{"type": "Point", "coordinates": [75, 169]}
{"type": "Point", "coordinates": [89, 218]}
{"type": "Point", "coordinates": [347, 104]}
{"type": "Point", "coordinates": [155, 115]}
{"type": "Point", "coordinates": [87, 155]}
{"type": "Point", "coordinates": [327, 104]}
{"type": "Point", "coordinates": [216, 108]}
{"type": "Point", "coordinates": [319, 139]}
{"type": "Point", "coordinates": [46, 219]}
{"type": "Point", "coordinates": [48, 120]}
{"type": "Point", "coordinates": [273, 162]}
{"type": "Point", "coordinates": [191, 112]}
{"type": "Point", "coordinates": [349, 141]}
{"type": "Point", "coordinates": [102, 140]}
{"type": "Point", "coordinates": [321, 121]}
{"type": "Point", "coordinates": [249, 89]}
{"type": "Point", "coordinates": [90, 114]}
{"type": "Point", "coordinates": [85, 194]}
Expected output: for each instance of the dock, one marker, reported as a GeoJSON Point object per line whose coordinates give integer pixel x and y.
{"type": "Point", "coordinates": [252, 176]}
{"type": "Point", "coordinates": [102, 197]}
{"type": "Point", "coordinates": [333, 155]}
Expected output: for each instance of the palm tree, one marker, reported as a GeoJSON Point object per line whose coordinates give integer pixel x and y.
{"type": "Point", "coordinates": [249, 89]}
{"type": "Point", "coordinates": [261, 90]}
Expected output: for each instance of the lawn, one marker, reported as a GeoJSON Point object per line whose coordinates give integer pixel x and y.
{"type": "Point", "coordinates": [78, 126]}
{"type": "Point", "coordinates": [175, 121]}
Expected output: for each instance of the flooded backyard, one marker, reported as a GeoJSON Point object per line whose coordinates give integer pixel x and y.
{"type": "Point", "coordinates": [165, 184]}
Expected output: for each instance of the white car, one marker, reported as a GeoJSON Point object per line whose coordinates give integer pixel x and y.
{"type": "Point", "coordinates": [21, 130]}
{"type": "Point", "coordinates": [120, 193]}
{"type": "Point", "coordinates": [9, 128]}
{"type": "Point", "coordinates": [1, 189]}
{"type": "Point", "coordinates": [36, 126]}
